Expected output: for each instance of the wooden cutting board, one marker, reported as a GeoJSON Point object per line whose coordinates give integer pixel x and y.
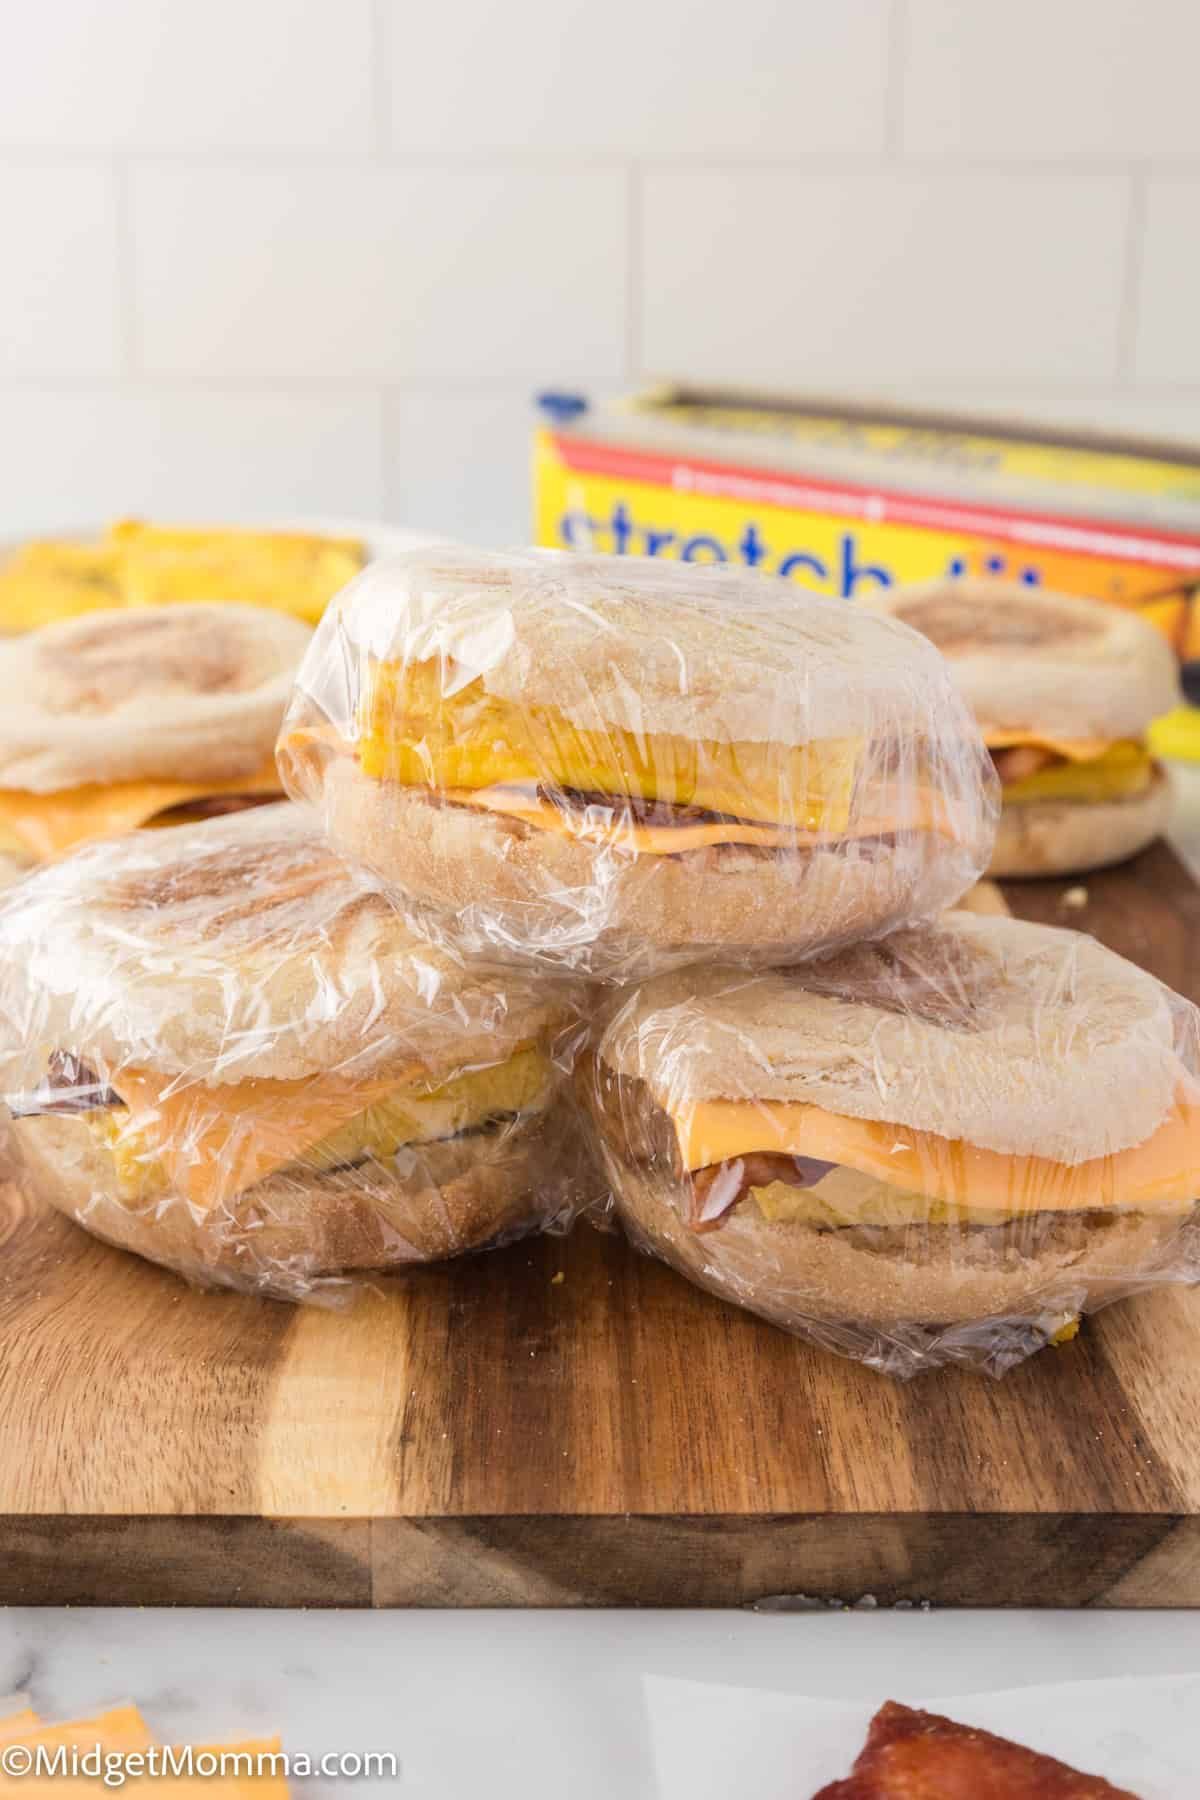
{"type": "Point", "coordinates": [567, 1423]}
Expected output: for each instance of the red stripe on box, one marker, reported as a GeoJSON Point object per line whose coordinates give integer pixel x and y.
{"type": "Point", "coordinates": [724, 481]}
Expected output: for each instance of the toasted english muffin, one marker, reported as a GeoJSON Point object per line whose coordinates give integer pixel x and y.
{"type": "Point", "coordinates": [1064, 690]}
{"type": "Point", "coordinates": [941, 1146]}
{"type": "Point", "coordinates": [616, 764]}
{"type": "Point", "coordinates": [226, 1051]}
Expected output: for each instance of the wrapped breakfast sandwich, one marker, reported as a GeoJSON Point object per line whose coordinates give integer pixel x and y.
{"type": "Point", "coordinates": [939, 1147]}
{"type": "Point", "coordinates": [1064, 690]}
{"type": "Point", "coordinates": [616, 765]}
{"type": "Point", "coordinates": [126, 718]}
{"type": "Point", "coordinates": [225, 1051]}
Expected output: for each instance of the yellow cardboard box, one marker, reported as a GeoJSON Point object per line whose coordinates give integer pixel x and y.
{"type": "Point", "coordinates": [845, 498]}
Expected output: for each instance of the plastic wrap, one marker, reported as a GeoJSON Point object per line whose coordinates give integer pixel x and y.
{"type": "Point", "coordinates": [615, 765]}
{"type": "Point", "coordinates": [1064, 690]}
{"type": "Point", "coordinates": [941, 1147]}
{"type": "Point", "coordinates": [224, 1050]}
{"type": "Point", "coordinates": [132, 715]}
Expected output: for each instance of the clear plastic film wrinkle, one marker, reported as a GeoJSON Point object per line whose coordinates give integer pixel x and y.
{"type": "Point", "coordinates": [223, 1049]}
{"type": "Point", "coordinates": [613, 766]}
{"type": "Point", "coordinates": [941, 1147]}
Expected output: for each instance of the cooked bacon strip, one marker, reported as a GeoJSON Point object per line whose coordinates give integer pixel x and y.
{"type": "Point", "coordinates": [913, 1755]}
{"type": "Point", "coordinates": [70, 1085]}
{"type": "Point", "coordinates": [719, 1187]}
{"type": "Point", "coordinates": [1022, 760]}
{"type": "Point", "coordinates": [217, 805]}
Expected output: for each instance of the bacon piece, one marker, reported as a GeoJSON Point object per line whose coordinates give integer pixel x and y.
{"type": "Point", "coordinates": [215, 807]}
{"type": "Point", "coordinates": [1021, 760]}
{"type": "Point", "coordinates": [722, 1185]}
{"type": "Point", "coordinates": [912, 1755]}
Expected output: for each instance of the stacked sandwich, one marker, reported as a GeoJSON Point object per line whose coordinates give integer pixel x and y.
{"type": "Point", "coordinates": [1064, 690]}
{"type": "Point", "coordinates": [643, 854]}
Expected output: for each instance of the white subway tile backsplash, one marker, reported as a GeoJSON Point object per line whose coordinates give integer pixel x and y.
{"type": "Point", "coordinates": [76, 457]}
{"type": "Point", "coordinates": [1072, 78]}
{"type": "Point", "coordinates": [186, 74]}
{"type": "Point", "coordinates": [771, 77]}
{"type": "Point", "coordinates": [382, 273]}
{"type": "Point", "coordinates": [783, 277]}
{"type": "Point", "coordinates": [1165, 412]}
{"type": "Point", "coordinates": [299, 255]}
{"type": "Point", "coordinates": [59, 301]}
{"type": "Point", "coordinates": [1168, 342]}
{"type": "Point", "coordinates": [458, 461]}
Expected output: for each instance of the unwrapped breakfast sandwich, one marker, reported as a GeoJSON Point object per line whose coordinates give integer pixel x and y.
{"type": "Point", "coordinates": [1064, 690]}
{"type": "Point", "coordinates": [225, 1051]}
{"type": "Point", "coordinates": [614, 765]}
{"type": "Point", "coordinates": [939, 1147]}
{"type": "Point", "coordinates": [122, 718]}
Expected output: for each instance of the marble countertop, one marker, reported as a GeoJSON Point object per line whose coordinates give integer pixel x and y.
{"type": "Point", "coordinates": [540, 1705]}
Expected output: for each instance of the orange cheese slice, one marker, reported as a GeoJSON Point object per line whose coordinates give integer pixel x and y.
{"type": "Point", "coordinates": [17, 1724]}
{"type": "Point", "coordinates": [215, 1141]}
{"type": "Point", "coordinates": [604, 826]}
{"type": "Point", "coordinates": [599, 825]}
{"type": "Point", "coordinates": [48, 825]}
{"type": "Point", "coordinates": [1073, 749]}
{"type": "Point", "coordinates": [121, 1731]}
{"type": "Point", "coordinates": [1162, 1172]}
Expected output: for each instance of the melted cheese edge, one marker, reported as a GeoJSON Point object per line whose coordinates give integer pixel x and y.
{"type": "Point", "coordinates": [211, 1143]}
{"type": "Point", "coordinates": [48, 825]}
{"type": "Point", "coordinates": [596, 824]}
{"type": "Point", "coordinates": [1163, 1172]}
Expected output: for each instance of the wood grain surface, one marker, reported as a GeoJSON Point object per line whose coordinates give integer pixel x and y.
{"type": "Point", "coordinates": [484, 1434]}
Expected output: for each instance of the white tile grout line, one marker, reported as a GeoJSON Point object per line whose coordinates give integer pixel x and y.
{"type": "Point", "coordinates": [1131, 276]}
{"type": "Point", "coordinates": [855, 163]}
{"type": "Point", "coordinates": [381, 87]}
{"type": "Point", "coordinates": [633, 272]}
{"type": "Point", "coordinates": [128, 349]}
{"type": "Point", "coordinates": [893, 98]}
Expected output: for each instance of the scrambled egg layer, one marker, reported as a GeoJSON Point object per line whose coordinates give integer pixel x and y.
{"type": "Point", "coordinates": [289, 571]}
{"type": "Point", "coordinates": [137, 564]}
{"type": "Point", "coordinates": [1126, 768]}
{"type": "Point", "coordinates": [411, 1116]}
{"type": "Point", "coordinates": [846, 1197]}
{"type": "Point", "coordinates": [413, 732]}
{"type": "Point", "coordinates": [46, 581]}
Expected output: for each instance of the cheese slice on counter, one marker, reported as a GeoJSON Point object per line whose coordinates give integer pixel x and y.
{"type": "Point", "coordinates": [18, 1722]}
{"type": "Point", "coordinates": [1162, 1172]}
{"type": "Point", "coordinates": [122, 1730]}
{"type": "Point", "coordinates": [123, 1733]}
{"type": "Point", "coordinates": [48, 825]}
